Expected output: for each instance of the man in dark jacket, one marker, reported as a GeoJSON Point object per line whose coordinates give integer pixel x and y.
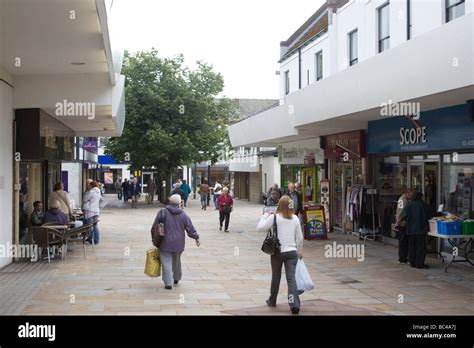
{"type": "Point", "coordinates": [296, 197]}
{"type": "Point", "coordinates": [126, 190]}
{"type": "Point", "coordinates": [416, 214]}
{"type": "Point", "coordinates": [135, 190]}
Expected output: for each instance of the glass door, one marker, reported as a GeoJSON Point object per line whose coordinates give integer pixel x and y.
{"type": "Point", "coordinates": [416, 176]}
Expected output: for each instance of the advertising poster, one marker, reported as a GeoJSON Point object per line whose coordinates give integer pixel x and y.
{"type": "Point", "coordinates": [315, 222]}
{"type": "Point", "coordinates": [108, 178]}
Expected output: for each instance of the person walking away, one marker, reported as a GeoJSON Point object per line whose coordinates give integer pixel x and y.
{"type": "Point", "coordinates": [296, 197]}
{"type": "Point", "coordinates": [204, 193]}
{"type": "Point", "coordinates": [291, 240]}
{"type": "Point", "coordinates": [226, 203]}
{"type": "Point", "coordinates": [62, 197]}
{"type": "Point", "coordinates": [187, 191]}
{"type": "Point", "coordinates": [416, 215]}
{"type": "Point", "coordinates": [36, 217]}
{"type": "Point", "coordinates": [135, 190]}
{"type": "Point", "coordinates": [402, 227]}
{"type": "Point", "coordinates": [217, 192]}
{"type": "Point", "coordinates": [176, 223]}
{"type": "Point", "coordinates": [126, 190]}
{"type": "Point", "coordinates": [91, 206]}
{"type": "Point", "coordinates": [118, 188]}
{"type": "Point", "coordinates": [151, 189]}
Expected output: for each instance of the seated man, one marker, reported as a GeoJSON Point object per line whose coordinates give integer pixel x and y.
{"type": "Point", "coordinates": [37, 215]}
{"type": "Point", "coordinates": [54, 214]}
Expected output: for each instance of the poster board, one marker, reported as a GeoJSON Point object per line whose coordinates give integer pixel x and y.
{"type": "Point", "coordinates": [108, 178]}
{"type": "Point", "coordinates": [314, 222]}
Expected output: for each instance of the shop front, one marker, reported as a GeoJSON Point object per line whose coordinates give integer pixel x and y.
{"type": "Point", "coordinates": [433, 155]}
{"type": "Point", "coordinates": [347, 166]}
{"type": "Point", "coordinates": [302, 162]}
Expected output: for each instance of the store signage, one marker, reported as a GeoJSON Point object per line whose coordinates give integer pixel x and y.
{"type": "Point", "coordinates": [90, 144]}
{"type": "Point", "coordinates": [314, 222]}
{"type": "Point", "coordinates": [108, 178]}
{"type": "Point", "coordinates": [446, 129]}
{"type": "Point", "coordinates": [345, 146]}
{"type": "Point", "coordinates": [305, 152]}
{"type": "Point", "coordinates": [325, 200]}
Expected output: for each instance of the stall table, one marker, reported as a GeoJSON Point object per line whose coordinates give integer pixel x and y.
{"type": "Point", "coordinates": [466, 248]}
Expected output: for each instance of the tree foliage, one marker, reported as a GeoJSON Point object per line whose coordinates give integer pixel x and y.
{"type": "Point", "coordinates": [173, 115]}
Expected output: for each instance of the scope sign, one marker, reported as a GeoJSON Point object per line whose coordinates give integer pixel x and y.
{"type": "Point", "coordinates": [411, 136]}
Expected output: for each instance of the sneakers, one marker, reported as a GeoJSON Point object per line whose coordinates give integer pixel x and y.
{"type": "Point", "coordinates": [402, 262]}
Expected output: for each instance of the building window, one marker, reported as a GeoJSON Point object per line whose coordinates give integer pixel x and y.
{"type": "Point", "coordinates": [319, 65]}
{"type": "Point", "coordinates": [353, 48]}
{"type": "Point", "coordinates": [384, 27]}
{"type": "Point", "coordinates": [454, 9]}
{"type": "Point", "coordinates": [287, 82]}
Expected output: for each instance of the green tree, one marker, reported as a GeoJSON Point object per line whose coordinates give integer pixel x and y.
{"type": "Point", "coordinates": [173, 115]}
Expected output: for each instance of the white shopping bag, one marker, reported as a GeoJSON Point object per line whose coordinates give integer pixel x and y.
{"type": "Point", "coordinates": [303, 279]}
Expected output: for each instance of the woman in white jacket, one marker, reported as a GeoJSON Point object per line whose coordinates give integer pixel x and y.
{"type": "Point", "coordinates": [91, 207]}
{"type": "Point", "coordinates": [291, 240]}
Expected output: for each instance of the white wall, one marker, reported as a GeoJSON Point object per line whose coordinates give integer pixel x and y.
{"type": "Point", "coordinates": [6, 170]}
{"type": "Point", "coordinates": [271, 168]}
{"type": "Point", "coordinates": [74, 181]}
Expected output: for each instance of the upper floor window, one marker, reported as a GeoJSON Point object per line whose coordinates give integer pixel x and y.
{"type": "Point", "coordinates": [319, 65]}
{"type": "Point", "coordinates": [384, 27]}
{"type": "Point", "coordinates": [454, 9]}
{"type": "Point", "coordinates": [353, 48]}
{"type": "Point", "coordinates": [287, 82]}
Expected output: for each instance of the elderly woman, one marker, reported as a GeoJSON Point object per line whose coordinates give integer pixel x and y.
{"type": "Point", "coordinates": [62, 197]}
{"type": "Point", "coordinates": [91, 207]}
{"type": "Point", "coordinates": [55, 214]}
{"type": "Point", "coordinates": [176, 223]}
{"type": "Point", "coordinates": [225, 203]}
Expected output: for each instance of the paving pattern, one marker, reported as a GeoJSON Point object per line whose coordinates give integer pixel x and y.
{"type": "Point", "coordinates": [227, 275]}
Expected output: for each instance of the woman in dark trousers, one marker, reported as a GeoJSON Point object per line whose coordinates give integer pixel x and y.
{"type": "Point", "coordinates": [291, 240]}
{"type": "Point", "coordinates": [416, 214]}
{"type": "Point", "coordinates": [225, 203]}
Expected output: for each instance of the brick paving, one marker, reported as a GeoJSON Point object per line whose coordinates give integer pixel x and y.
{"type": "Point", "coordinates": [227, 275]}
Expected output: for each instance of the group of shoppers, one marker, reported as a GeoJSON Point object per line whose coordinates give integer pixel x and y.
{"type": "Point", "coordinates": [131, 190]}
{"type": "Point", "coordinates": [275, 193]}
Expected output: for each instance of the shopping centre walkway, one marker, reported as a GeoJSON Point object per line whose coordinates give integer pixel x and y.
{"type": "Point", "coordinates": [228, 274]}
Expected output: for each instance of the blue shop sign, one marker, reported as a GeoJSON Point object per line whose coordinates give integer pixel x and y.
{"type": "Point", "coordinates": [446, 129]}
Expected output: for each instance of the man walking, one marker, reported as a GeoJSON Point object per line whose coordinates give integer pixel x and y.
{"type": "Point", "coordinates": [151, 189]}
{"type": "Point", "coordinates": [296, 197]}
{"type": "Point", "coordinates": [125, 190]}
{"type": "Point", "coordinates": [118, 188]}
{"type": "Point", "coordinates": [416, 215]}
{"type": "Point", "coordinates": [135, 190]}
{"type": "Point", "coordinates": [187, 191]}
{"type": "Point", "coordinates": [402, 227]}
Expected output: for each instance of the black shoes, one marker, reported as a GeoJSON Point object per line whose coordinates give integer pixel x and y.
{"type": "Point", "coordinates": [226, 231]}
{"type": "Point", "coordinates": [423, 267]}
{"type": "Point", "coordinates": [176, 282]}
{"type": "Point", "coordinates": [295, 310]}
{"type": "Point", "coordinates": [220, 228]}
{"type": "Point", "coordinates": [168, 287]}
{"type": "Point", "coordinates": [271, 303]}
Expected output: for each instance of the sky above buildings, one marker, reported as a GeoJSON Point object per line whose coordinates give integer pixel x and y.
{"type": "Point", "coordinates": [240, 39]}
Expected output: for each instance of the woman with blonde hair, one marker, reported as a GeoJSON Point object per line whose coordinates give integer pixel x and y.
{"type": "Point", "coordinates": [291, 241]}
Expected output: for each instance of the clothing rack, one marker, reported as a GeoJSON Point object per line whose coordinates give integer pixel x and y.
{"type": "Point", "coordinates": [373, 233]}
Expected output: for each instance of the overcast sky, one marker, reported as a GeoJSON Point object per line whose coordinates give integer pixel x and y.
{"type": "Point", "coordinates": [240, 39]}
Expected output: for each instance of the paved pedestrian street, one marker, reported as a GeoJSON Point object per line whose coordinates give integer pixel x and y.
{"type": "Point", "coordinates": [227, 275]}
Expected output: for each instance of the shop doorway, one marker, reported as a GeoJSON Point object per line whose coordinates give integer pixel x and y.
{"type": "Point", "coordinates": [424, 177]}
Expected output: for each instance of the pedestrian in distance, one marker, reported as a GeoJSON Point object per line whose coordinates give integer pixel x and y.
{"type": "Point", "coordinates": [126, 190]}
{"type": "Point", "coordinates": [118, 188]}
{"type": "Point", "coordinates": [291, 241]}
{"type": "Point", "coordinates": [217, 191]}
{"type": "Point", "coordinates": [296, 198]}
{"type": "Point", "coordinates": [187, 191]}
{"type": "Point", "coordinates": [273, 199]}
{"type": "Point", "coordinates": [204, 193]}
{"type": "Point", "coordinates": [178, 191]}
{"type": "Point", "coordinates": [401, 226]}
{"type": "Point", "coordinates": [416, 215]}
{"type": "Point", "coordinates": [226, 204]}
{"type": "Point", "coordinates": [151, 189]}
{"type": "Point", "coordinates": [135, 190]}
{"type": "Point", "coordinates": [176, 224]}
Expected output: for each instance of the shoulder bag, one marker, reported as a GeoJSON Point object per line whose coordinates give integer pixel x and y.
{"type": "Point", "coordinates": [158, 229]}
{"type": "Point", "coordinates": [271, 244]}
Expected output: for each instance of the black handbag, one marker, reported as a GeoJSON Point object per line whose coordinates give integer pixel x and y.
{"type": "Point", "coordinates": [227, 209]}
{"type": "Point", "coordinates": [271, 244]}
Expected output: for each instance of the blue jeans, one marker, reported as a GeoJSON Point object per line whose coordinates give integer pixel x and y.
{"type": "Point", "coordinates": [215, 200]}
{"type": "Point", "coordinates": [204, 197]}
{"type": "Point", "coordinates": [95, 231]}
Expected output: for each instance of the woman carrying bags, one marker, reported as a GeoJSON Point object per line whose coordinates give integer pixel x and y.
{"type": "Point", "coordinates": [225, 203]}
{"type": "Point", "coordinates": [291, 245]}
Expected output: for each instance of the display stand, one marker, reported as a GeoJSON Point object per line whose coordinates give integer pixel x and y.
{"type": "Point", "coordinates": [372, 234]}
{"type": "Point", "coordinates": [314, 222]}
